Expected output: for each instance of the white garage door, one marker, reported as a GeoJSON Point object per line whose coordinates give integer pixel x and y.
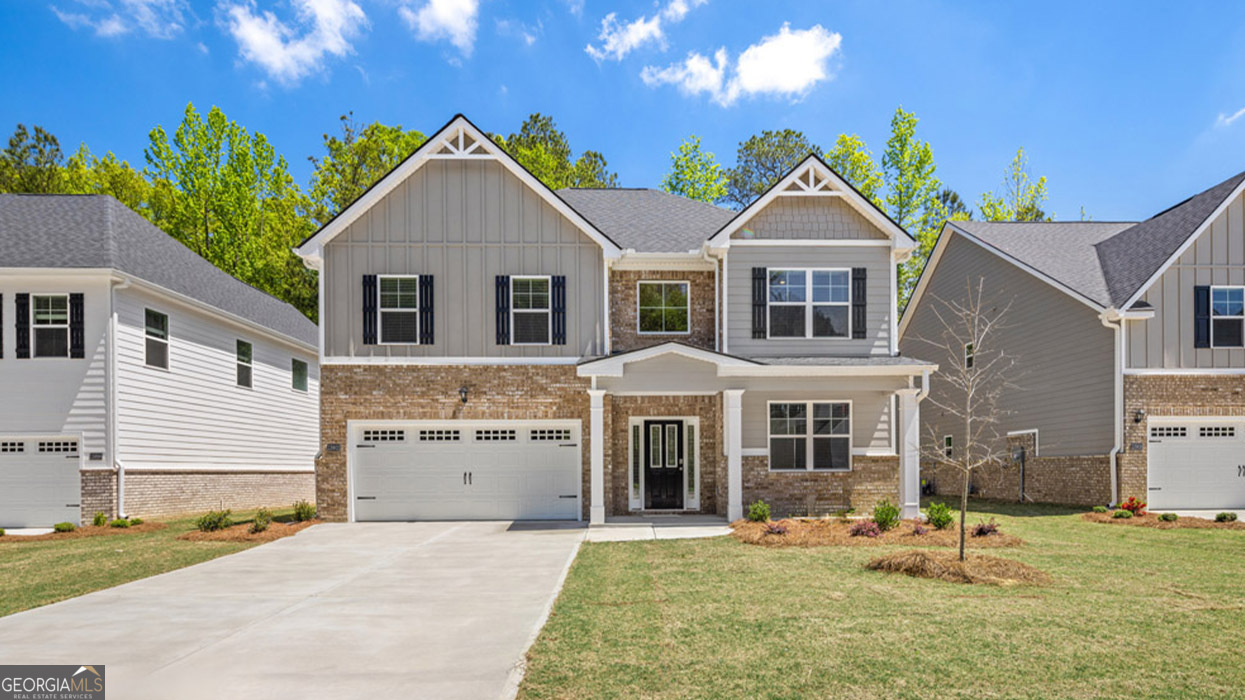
{"type": "Point", "coordinates": [466, 470]}
{"type": "Point", "coordinates": [39, 483]}
{"type": "Point", "coordinates": [1197, 464]}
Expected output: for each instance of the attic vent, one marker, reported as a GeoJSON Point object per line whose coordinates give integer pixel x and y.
{"type": "Point", "coordinates": [67, 446]}
{"type": "Point", "coordinates": [550, 435]}
{"type": "Point", "coordinates": [495, 435]}
{"type": "Point", "coordinates": [439, 436]}
{"type": "Point", "coordinates": [384, 435]}
{"type": "Point", "coordinates": [1169, 431]}
{"type": "Point", "coordinates": [1217, 431]}
{"type": "Point", "coordinates": [12, 447]}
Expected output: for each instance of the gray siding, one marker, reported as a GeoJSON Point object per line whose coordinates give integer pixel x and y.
{"type": "Point", "coordinates": [1166, 341]}
{"type": "Point", "coordinates": [812, 217]}
{"type": "Point", "coordinates": [740, 261]}
{"type": "Point", "coordinates": [1064, 354]}
{"type": "Point", "coordinates": [464, 222]}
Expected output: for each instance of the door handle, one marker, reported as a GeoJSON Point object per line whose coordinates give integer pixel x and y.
{"type": "Point", "coordinates": [471, 476]}
{"type": "Point", "coordinates": [464, 478]}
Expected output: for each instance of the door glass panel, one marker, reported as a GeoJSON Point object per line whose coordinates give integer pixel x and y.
{"type": "Point", "coordinates": [691, 459]}
{"type": "Point", "coordinates": [654, 446]}
{"type": "Point", "coordinates": [636, 454]}
{"type": "Point", "coordinates": [672, 445]}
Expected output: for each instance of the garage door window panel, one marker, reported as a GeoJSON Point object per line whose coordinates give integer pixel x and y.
{"type": "Point", "coordinates": [1227, 317]}
{"type": "Point", "coordinates": [50, 319]}
{"type": "Point", "coordinates": [398, 306]}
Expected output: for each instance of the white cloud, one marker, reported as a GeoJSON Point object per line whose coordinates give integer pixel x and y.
{"type": "Point", "coordinates": [160, 19]}
{"type": "Point", "coordinates": [786, 64]}
{"type": "Point", "coordinates": [328, 26]}
{"type": "Point", "coordinates": [621, 38]}
{"type": "Point", "coordinates": [1226, 120]}
{"type": "Point", "coordinates": [576, 7]}
{"type": "Point", "coordinates": [526, 32]}
{"type": "Point", "coordinates": [452, 20]}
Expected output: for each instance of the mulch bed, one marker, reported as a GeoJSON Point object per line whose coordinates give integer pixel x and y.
{"type": "Point", "coordinates": [1152, 520]}
{"type": "Point", "coordinates": [834, 532]}
{"type": "Point", "coordinates": [85, 531]}
{"type": "Point", "coordinates": [241, 532]}
{"type": "Point", "coordinates": [946, 566]}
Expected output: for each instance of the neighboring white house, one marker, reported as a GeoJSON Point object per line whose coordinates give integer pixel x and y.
{"type": "Point", "coordinates": [136, 378]}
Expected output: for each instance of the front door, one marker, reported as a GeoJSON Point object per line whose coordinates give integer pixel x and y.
{"type": "Point", "coordinates": [663, 471]}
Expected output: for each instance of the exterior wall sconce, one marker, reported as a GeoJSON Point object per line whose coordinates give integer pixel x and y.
{"type": "Point", "coordinates": [462, 393]}
{"type": "Point", "coordinates": [1139, 415]}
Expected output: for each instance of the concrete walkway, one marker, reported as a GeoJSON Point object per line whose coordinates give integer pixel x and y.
{"type": "Point", "coordinates": [657, 527]}
{"type": "Point", "coordinates": [410, 610]}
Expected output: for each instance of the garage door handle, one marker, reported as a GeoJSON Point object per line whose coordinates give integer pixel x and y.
{"type": "Point", "coordinates": [569, 444]}
{"type": "Point", "coordinates": [464, 478]}
{"type": "Point", "coordinates": [570, 496]}
{"type": "Point", "coordinates": [73, 505]}
{"type": "Point", "coordinates": [365, 498]}
{"type": "Point", "coordinates": [471, 477]}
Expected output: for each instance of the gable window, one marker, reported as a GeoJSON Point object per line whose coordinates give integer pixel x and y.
{"type": "Point", "coordinates": [810, 303]}
{"type": "Point", "coordinates": [948, 446]}
{"type": "Point", "coordinates": [50, 319]}
{"type": "Point", "coordinates": [298, 372]}
{"type": "Point", "coordinates": [810, 435]}
{"type": "Point", "coordinates": [1227, 312]}
{"type": "Point", "coordinates": [157, 339]}
{"type": "Point", "coordinates": [663, 307]}
{"type": "Point", "coordinates": [244, 363]}
{"type": "Point", "coordinates": [969, 356]}
{"type": "Point", "coordinates": [529, 310]}
{"type": "Point", "coordinates": [399, 310]}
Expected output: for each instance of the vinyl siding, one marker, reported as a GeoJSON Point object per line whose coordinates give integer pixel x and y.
{"type": "Point", "coordinates": [1217, 257]}
{"type": "Point", "coordinates": [194, 415]}
{"type": "Point", "coordinates": [464, 222]}
{"type": "Point", "coordinates": [813, 217]}
{"type": "Point", "coordinates": [1064, 354]}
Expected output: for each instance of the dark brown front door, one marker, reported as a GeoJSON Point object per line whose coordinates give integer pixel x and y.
{"type": "Point", "coordinates": [663, 470]}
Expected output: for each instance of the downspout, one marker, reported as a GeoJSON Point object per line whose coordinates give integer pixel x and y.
{"type": "Point", "coordinates": [1111, 319]}
{"type": "Point", "coordinates": [117, 465]}
{"type": "Point", "coordinates": [717, 298]}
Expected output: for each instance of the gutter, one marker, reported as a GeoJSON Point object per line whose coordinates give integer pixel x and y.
{"type": "Point", "coordinates": [117, 465]}
{"type": "Point", "coordinates": [1114, 320]}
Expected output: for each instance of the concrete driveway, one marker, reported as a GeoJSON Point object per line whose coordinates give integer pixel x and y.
{"type": "Point", "coordinates": [412, 610]}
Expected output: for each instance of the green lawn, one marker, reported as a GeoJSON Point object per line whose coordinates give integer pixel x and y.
{"type": "Point", "coordinates": [38, 573]}
{"type": "Point", "coordinates": [1133, 612]}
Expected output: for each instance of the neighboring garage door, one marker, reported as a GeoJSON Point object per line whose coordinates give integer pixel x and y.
{"type": "Point", "coordinates": [467, 470]}
{"type": "Point", "coordinates": [1197, 464]}
{"type": "Point", "coordinates": [39, 483]}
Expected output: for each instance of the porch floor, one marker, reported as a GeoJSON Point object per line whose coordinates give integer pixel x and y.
{"type": "Point", "coordinates": [626, 528]}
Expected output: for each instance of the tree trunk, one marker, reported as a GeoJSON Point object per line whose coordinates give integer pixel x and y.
{"type": "Point", "coordinates": [964, 511]}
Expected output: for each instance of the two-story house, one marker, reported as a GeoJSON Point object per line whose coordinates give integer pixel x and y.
{"type": "Point", "coordinates": [137, 378]}
{"type": "Point", "coordinates": [1129, 341]}
{"type": "Point", "coordinates": [494, 349]}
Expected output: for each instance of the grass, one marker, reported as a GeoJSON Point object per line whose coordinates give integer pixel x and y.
{"type": "Point", "coordinates": [1131, 612]}
{"type": "Point", "coordinates": [38, 573]}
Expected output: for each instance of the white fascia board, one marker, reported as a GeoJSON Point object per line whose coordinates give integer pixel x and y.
{"type": "Point", "coordinates": [447, 361]}
{"type": "Point", "coordinates": [827, 370]}
{"type": "Point", "coordinates": [633, 261]}
{"type": "Point", "coordinates": [615, 365]}
{"type": "Point", "coordinates": [55, 271]}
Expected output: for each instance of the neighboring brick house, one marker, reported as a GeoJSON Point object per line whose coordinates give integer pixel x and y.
{"type": "Point", "coordinates": [137, 377]}
{"type": "Point", "coordinates": [494, 349]}
{"type": "Point", "coordinates": [1128, 338]}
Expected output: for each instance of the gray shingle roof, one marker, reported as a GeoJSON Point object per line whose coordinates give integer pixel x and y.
{"type": "Point", "coordinates": [868, 361]}
{"type": "Point", "coordinates": [646, 220]}
{"type": "Point", "coordinates": [97, 231]}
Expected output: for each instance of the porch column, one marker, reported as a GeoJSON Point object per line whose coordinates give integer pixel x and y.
{"type": "Point", "coordinates": [909, 453]}
{"type": "Point", "coordinates": [733, 399]}
{"type": "Point", "coordinates": [597, 446]}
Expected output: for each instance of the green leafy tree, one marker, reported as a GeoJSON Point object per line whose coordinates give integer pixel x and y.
{"type": "Point", "coordinates": [31, 163]}
{"type": "Point", "coordinates": [545, 151]}
{"type": "Point", "coordinates": [853, 160]}
{"type": "Point", "coordinates": [354, 161]}
{"type": "Point", "coordinates": [912, 187]}
{"type": "Point", "coordinates": [84, 173]}
{"type": "Point", "coordinates": [1021, 199]}
{"type": "Point", "coordinates": [761, 161]}
{"type": "Point", "coordinates": [953, 205]}
{"type": "Point", "coordinates": [695, 173]}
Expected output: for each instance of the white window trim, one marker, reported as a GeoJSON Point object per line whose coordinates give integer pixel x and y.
{"type": "Point", "coordinates": [380, 333]}
{"type": "Point", "coordinates": [548, 310]}
{"type": "Point", "coordinates": [1213, 317]}
{"type": "Point", "coordinates": [306, 373]}
{"type": "Point", "coordinates": [689, 307]}
{"type": "Point", "coordinates": [31, 312]}
{"type": "Point", "coordinates": [168, 324]}
{"type": "Point", "coordinates": [808, 437]}
{"type": "Point", "coordinates": [970, 355]}
{"type": "Point", "coordinates": [808, 303]}
{"type": "Point", "coordinates": [948, 446]}
{"type": "Point", "coordinates": [237, 362]}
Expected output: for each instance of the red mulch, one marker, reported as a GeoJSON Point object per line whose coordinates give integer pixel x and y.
{"type": "Point", "coordinates": [1185, 522]}
{"type": "Point", "coordinates": [834, 532]}
{"type": "Point", "coordinates": [85, 531]}
{"type": "Point", "coordinates": [242, 533]}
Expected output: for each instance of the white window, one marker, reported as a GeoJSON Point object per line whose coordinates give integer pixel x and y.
{"type": "Point", "coordinates": [969, 355]}
{"type": "Point", "coordinates": [662, 307]}
{"type": "Point", "coordinates": [50, 318]}
{"type": "Point", "coordinates": [810, 435]}
{"type": "Point", "coordinates": [810, 303]}
{"type": "Point", "coordinates": [298, 375]}
{"type": "Point", "coordinates": [157, 339]}
{"type": "Point", "coordinates": [1227, 317]}
{"type": "Point", "coordinates": [244, 363]}
{"type": "Point", "coordinates": [399, 310]}
{"type": "Point", "coordinates": [529, 311]}
{"type": "Point", "coordinates": [948, 446]}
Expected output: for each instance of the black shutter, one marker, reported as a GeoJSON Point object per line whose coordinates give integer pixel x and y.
{"type": "Point", "coordinates": [503, 310]}
{"type": "Point", "coordinates": [427, 327]}
{"type": "Point", "coordinates": [1201, 317]}
{"type": "Point", "coordinates": [759, 296]}
{"type": "Point", "coordinates": [21, 319]}
{"type": "Point", "coordinates": [860, 292]}
{"type": "Point", "coordinates": [76, 334]}
{"type": "Point", "coordinates": [558, 305]}
{"type": "Point", "coordinates": [369, 309]}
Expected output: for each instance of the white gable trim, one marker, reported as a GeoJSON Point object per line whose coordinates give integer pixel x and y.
{"type": "Point", "coordinates": [458, 140]}
{"type": "Point", "coordinates": [813, 178]}
{"type": "Point", "coordinates": [614, 365]}
{"type": "Point", "coordinates": [1184, 247]}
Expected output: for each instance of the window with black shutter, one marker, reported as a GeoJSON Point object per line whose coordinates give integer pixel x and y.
{"type": "Point", "coordinates": [501, 289]}
{"type": "Point", "coordinates": [21, 326]}
{"type": "Point", "coordinates": [50, 324]}
{"type": "Point", "coordinates": [1201, 317]}
{"type": "Point", "coordinates": [427, 327]}
{"type": "Point", "coordinates": [758, 302]}
{"type": "Point", "coordinates": [809, 303]}
{"type": "Point", "coordinates": [558, 284]}
{"type": "Point", "coordinates": [399, 309]}
{"type": "Point", "coordinates": [1227, 317]}
{"type": "Point", "coordinates": [860, 294]}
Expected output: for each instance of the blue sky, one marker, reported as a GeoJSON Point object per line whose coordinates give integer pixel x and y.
{"type": "Point", "coordinates": [1126, 107]}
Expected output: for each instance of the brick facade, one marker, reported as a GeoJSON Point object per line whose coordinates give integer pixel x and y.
{"type": "Point", "coordinates": [173, 492]}
{"type": "Point", "coordinates": [624, 329]}
{"type": "Point", "coordinates": [870, 480]}
{"type": "Point", "coordinates": [708, 445]}
{"type": "Point", "coordinates": [1073, 480]}
{"type": "Point", "coordinates": [99, 493]}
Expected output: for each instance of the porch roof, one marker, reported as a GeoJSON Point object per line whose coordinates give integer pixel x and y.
{"type": "Point", "coordinates": [735, 366]}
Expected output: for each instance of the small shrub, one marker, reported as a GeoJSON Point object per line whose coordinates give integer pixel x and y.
{"type": "Point", "coordinates": [1168, 517]}
{"type": "Point", "coordinates": [1, 532]}
{"type": "Point", "coordinates": [261, 521]}
{"type": "Point", "coordinates": [886, 515]}
{"type": "Point", "coordinates": [865, 528]}
{"type": "Point", "coordinates": [214, 520]}
{"type": "Point", "coordinates": [119, 522]}
{"type": "Point", "coordinates": [1125, 514]}
{"type": "Point", "coordinates": [100, 519]}
{"type": "Point", "coordinates": [939, 515]}
{"type": "Point", "coordinates": [1100, 509]}
{"type": "Point", "coordinates": [759, 512]}
{"type": "Point", "coordinates": [775, 529]}
{"type": "Point", "coordinates": [984, 529]}
{"type": "Point", "coordinates": [919, 529]}
{"type": "Point", "coordinates": [304, 511]}
{"type": "Point", "coordinates": [1134, 505]}
{"type": "Point", "coordinates": [64, 527]}
{"type": "Point", "coordinates": [1225, 517]}
{"type": "Point", "coordinates": [136, 521]}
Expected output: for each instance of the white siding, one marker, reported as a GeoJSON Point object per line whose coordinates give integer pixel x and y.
{"type": "Point", "coordinates": [194, 416]}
